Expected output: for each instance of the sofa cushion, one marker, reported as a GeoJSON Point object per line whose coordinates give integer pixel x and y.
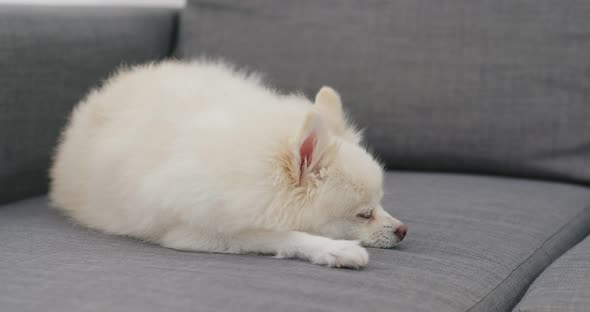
{"type": "Point", "coordinates": [474, 243]}
{"type": "Point", "coordinates": [564, 286]}
{"type": "Point", "coordinates": [49, 59]}
{"type": "Point", "coordinates": [493, 86]}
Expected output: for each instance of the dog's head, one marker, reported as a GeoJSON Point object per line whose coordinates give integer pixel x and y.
{"type": "Point", "coordinates": [338, 181]}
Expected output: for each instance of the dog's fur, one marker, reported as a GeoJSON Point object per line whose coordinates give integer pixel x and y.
{"type": "Point", "coordinates": [200, 156]}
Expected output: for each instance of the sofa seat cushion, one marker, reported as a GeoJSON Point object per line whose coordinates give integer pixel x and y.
{"type": "Point", "coordinates": [564, 286]}
{"type": "Point", "coordinates": [474, 244]}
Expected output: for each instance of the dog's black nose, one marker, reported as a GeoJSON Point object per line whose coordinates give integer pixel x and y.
{"type": "Point", "coordinates": [401, 231]}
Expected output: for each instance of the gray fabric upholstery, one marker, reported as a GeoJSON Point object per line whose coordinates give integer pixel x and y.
{"type": "Point", "coordinates": [564, 286]}
{"type": "Point", "coordinates": [474, 244]}
{"type": "Point", "coordinates": [49, 58]}
{"type": "Point", "coordinates": [495, 86]}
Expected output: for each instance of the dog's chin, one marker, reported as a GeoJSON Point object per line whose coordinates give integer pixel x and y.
{"type": "Point", "coordinates": [382, 243]}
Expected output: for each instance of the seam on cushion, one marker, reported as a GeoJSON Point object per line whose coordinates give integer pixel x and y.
{"type": "Point", "coordinates": [553, 260]}
{"type": "Point", "coordinates": [174, 32]}
{"type": "Point", "coordinates": [540, 248]}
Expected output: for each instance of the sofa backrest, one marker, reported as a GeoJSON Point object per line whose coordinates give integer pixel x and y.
{"type": "Point", "coordinates": [486, 86]}
{"type": "Point", "coordinates": [49, 59]}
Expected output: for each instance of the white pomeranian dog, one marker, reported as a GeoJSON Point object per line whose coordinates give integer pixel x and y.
{"type": "Point", "coordinates": [199, 156]}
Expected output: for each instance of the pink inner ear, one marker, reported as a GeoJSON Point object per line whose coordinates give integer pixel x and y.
{"type": "Point", "coordinates": [306, 149]}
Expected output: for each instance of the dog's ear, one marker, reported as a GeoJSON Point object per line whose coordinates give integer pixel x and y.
{"type": "Point", "coordinates": [328, 102]}
{"type": "Point", "coordinates": [312, 143]}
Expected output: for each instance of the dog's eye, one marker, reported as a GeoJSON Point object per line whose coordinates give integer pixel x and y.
{"type": "Point", "coordinates": [365, 215]}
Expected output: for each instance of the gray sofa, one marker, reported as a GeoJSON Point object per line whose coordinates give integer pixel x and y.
{"type": "Point", "coordinates": [480, 110]}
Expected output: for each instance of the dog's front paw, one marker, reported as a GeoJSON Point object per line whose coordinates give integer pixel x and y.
{"type": "Point", "coordinates": [341, 254]}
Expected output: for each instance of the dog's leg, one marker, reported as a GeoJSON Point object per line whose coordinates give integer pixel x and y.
{"type": "Point", "coordinates": [316, 249]}
{"type": "Point", "coordinates": [291, 244]}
